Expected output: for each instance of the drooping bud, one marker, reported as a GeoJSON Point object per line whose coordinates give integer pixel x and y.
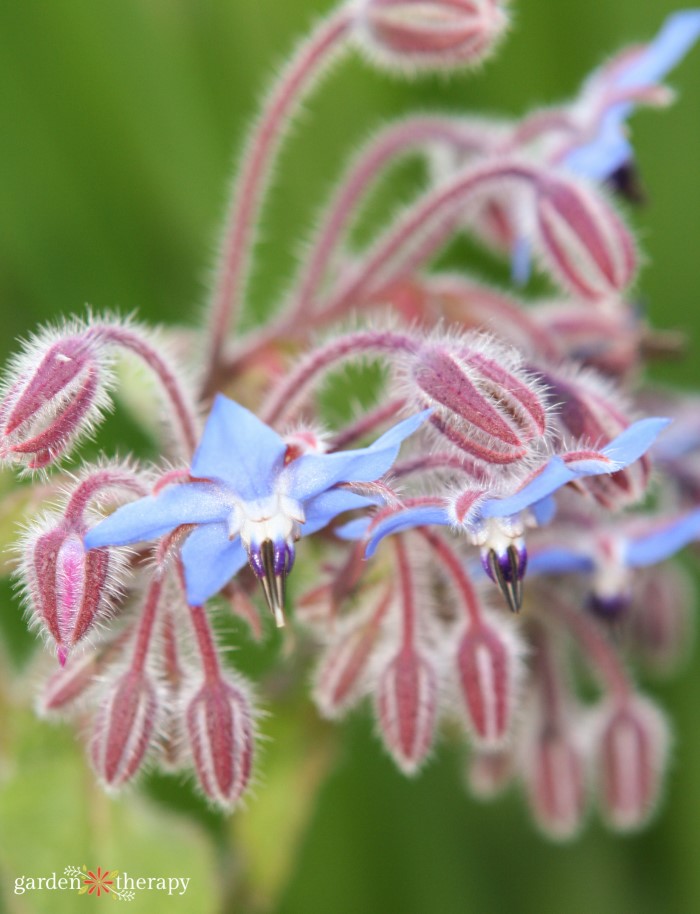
{"type": "Point", "coordinates": [484, 402]}
{"type": "Point", "coordinates": [632, 751]}
{"type": "Point", "coordinates": [584, 242]}
{"type": "Point", "coordinates": [123, 728]}
{"type": "Point", "coordinates": [56, 393]}
{"type": "Point", "coordinates": [660, 623]}
{"type": "Point", "coordinates": [221, 736]}
{"type": "Point", "coordinates": [415, 35]}
{"type": "Point", "coordinates": [555, 783]}
{"type": "Point", "coordinates": [406, 702]}
{"type": "Point", "coordinates": [69, 588]}
{"type": "Point", "coordinates": [488, 668]}
{"type": "Point", "coordinates": [341, 676]}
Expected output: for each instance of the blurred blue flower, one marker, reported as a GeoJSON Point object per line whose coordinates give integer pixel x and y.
{"type": "Point", "coordinates": [249, 502]}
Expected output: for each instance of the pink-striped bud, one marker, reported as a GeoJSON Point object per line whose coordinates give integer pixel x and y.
{"type": "Point", "coordinates": [406, 703]}
{"type": "Point", "coordinates": [57, 392]}
{"type": "Point", "coordinates": [69, 588]}
{"type": "Point", "coordinates": [489, 773]}
{"type": "Point", "coordinates": [588, 411]}
{"type": "Point", "coordinates": [587, 247]}
{"type": "Point", "coordinates": [415, 35]}
{"type": "Point", "coordinates": [555, 783]}
{"type": "Point", "coordinates": [341, 676]}
{"type": "Point", "coordinates": [484, 402]}
{"type": "Point", "coordinates": [221, 736]}
{"type": "Point", "coordinates": [124, 727]}
{"type": "Point", "coordinates": [632, 752]}
{"type": "Point", "coordinates": [488, 668]}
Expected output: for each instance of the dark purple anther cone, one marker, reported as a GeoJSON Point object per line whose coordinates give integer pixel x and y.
{"type": "Point", "coordinates": [507, 569]}
{"type": "Point", "coordinates": [256, 562]}
{"type": "Point", "coordinates": [271, 562]}
{"type": "Point", "coordinates": [610, 607]}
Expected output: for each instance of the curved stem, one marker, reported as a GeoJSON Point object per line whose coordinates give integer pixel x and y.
{"type": "Point", "coordinates": [408, 603]}
{"type": "Point", "coordinates": [146, 623]}
{"type": "Point", "coordinates": [205, 643]}
{"type": "Point", "coordinates": [395, 141]}
{"type": "Point", "coordinates": [97, 482]}
{"type": "Point", "coordinates": [134, 342]}
{"type": "Point", "coordinates": [453, 566]}
{"type": "Point", "coordinates": [255, 167]}
{"type": "Point", "coordinates": [429, 217]}
{"type": "Point", "coordinates": [293, 388]}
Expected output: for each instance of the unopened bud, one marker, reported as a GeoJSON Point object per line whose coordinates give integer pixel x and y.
{"type": "Point", "coordinates": [660, 624]}
{"type": "Point", "coordinates": [221, 737]}
{"type": "Point", "coordinates": [484, 402]}
{"type": "Point", "coordinates": [406, 702]}
{"type": "Point", "coordinates": [57, 393]}
{"type": "Point", "coordinates": [555, 783]}
{"type": "Point", "coordinates": [123, 728]}
{"type": "Point", "coordinates": [414, 35]}
{"type": "Point", "coordinates": [488, 674]}
{"type": "Point", "coordinates": [489, 773]}
{"type": "Point", "coordinates": [632, 753]}
{"type": "Point", "coordinates": [69, 588]}
{"type": "Point", "coordinates": [585, 243]}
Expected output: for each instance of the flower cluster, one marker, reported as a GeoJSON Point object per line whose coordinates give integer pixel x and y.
{"type": "Point", "coordinates": [483, 534]}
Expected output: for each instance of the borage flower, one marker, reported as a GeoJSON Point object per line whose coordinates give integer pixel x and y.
{"type": "Point", "coordinates": [250, 498]}
{"type": "Point", "coordinates": [496, 523]}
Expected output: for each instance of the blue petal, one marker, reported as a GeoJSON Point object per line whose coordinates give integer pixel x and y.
{"type": "Point", "coordinates": [322, 509]}
{"type": "Point", "coordinates": [678, 34]}
{"type": "Point", "coordinates": [210, 560]}
{"type": "Point", "coordinates": [148, 518]}
{"type": "Point", "coordinates": [521, 260]}
{"type": "Point", "coordinates": [558, 560]}
{"type": "Point", "coordinates": [240, 450]}
{"type": "Point", "coordinates": [604, 154]}
{"type": "Point", "coordinates": [664, 542]}
{"type": "Point", "coordinates": [420, 516]}
{"type": "Point", "coordinates": [314, 473]}
{"type": "Point", "coordinates": [544, 510]}
{"type": "Point", "coordinates": [354, 529]}
{"type": "Point", "coordinates": [623, 450]}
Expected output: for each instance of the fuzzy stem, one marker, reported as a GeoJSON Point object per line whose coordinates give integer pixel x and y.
{"type": "Point", "coordinates": [134, 342]}
{"type": "Point", "coordinates": [408, 605]}
{"type": "Point", "coordinates": [292, 389]}
{"type": "Point", "coordinates": [205, 643]}
{"type": "Point", "coordinates": [146, 623]}
{"type": "Point", "coordinates": [453, 566]}
{"type": "Point", "coordinates": [436, 207]}
{"type": "Point", "coordinates": [253, 176]}
{"type": "Point", "coordinates": [97, 482]}
{"type": "Point", "coordinates": [394, 142]}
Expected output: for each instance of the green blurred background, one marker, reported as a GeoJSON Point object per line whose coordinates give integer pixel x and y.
{"type": "Point", "coordinates": [119, 118]}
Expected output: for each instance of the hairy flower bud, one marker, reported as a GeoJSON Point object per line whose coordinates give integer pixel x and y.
{"type": "Point", "coordinates": [555, 783]}
{"type": "Point", "coordinates": [660, 623]}
{"type": "Point", "coordinates": [489, 773]}
{"type": "Point", "coordinates": [221, 735]}
{"type": "Point", "coordinates": [488, 674]}
{"type": "Point", "coordinates": [123, 728]}
{"type": "Point", "coordinates": [406, 702]}
{"type": "Point", "coordinates": [483, 400]}
{"type": "Point", "coordinates": [414, 35]}
{"type": "Point", "coordinates": [583, 240]}
{"type": "Point", "coordinates": [632, 752]}
{"type": "Point", "coordinates": [55, 392]}
{"type": "Point", "coordinates": [68, 587]}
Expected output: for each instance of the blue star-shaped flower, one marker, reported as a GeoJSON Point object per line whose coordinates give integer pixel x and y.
{"type": "Point", "coordinates": [494, 521]}
{"type": "Point", "coordinates": [249, 501]}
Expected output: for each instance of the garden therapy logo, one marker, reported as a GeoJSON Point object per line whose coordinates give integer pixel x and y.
{"type": "Point", "coordinates": [101, 883]}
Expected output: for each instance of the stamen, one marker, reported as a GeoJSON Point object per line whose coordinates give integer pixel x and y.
{"type": "Point", "coordinates": [273, 578]}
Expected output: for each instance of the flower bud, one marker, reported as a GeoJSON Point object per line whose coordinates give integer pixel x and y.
{"type": "Point", "coordinates": [341, 676]}
{"type": "Point", "coordinates": [489, 773]}
{"type": "Point", "coordinates": [221, 735]}
{"type": "Point", "coordinates": [414, 35]}
{"type": "Point", "coordinates": [57, 394]}
{"type": "Point", "coordinates": [555, 783]}
{"type": "Point", "coordinates": [488, 675]}
{"type": "Point", "coordinates": [483, 400]}
{"type": "Point", "coordinates": [632, 752]}
{"type": "Point", "coordinates": [585, 243]}
{"type": "Point", "coordinates": [123, 728]}
{"type": "Point", "coordinates": [660, 625]}
{"type": "Point", "coordinates": [69, 588]}
{"type": "Point", "coordinates": [406, 702]}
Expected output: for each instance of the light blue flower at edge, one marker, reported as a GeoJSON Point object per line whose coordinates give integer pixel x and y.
{"type": "Point", "coordinates": [248, 503]}
{"type": "Point", "coordinates": [609, 149]}
{"type": "Point", "coordinates": [494, 522]}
